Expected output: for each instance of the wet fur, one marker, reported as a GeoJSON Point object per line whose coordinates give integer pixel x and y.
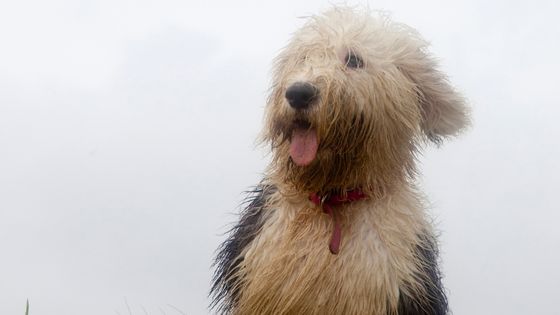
{"type": "Point", "coordinates": [230, 254]}
{"type": "Point", "coordinates": [421, 294]}
{"type": "Point", "coordinates": [370, 123]}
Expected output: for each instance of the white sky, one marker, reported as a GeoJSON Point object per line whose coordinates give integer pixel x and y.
{"type": "Point", "coordinates": [127, 136]}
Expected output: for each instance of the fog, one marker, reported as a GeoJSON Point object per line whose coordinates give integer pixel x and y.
{"type": "Point", "coordinates": [127, 136]}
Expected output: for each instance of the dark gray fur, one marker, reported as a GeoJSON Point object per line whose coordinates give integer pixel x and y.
{"type": "Point", "coordinates": [435, 301]}
{"type": "Point", "coordinates": [225, 287]}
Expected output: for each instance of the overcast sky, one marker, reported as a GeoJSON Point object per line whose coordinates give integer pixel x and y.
{"type": "Point", "coordinates": [127, 137]}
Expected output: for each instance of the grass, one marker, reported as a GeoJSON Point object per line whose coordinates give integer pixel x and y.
{"type": "Point", "coordinates": [127, 306]}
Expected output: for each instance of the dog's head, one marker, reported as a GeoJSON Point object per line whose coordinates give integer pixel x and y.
{"type": "Point", "coordinates": [353, 95]}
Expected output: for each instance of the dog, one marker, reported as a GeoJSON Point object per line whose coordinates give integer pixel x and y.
{"type": "Point", "coordinates": [337, 225]}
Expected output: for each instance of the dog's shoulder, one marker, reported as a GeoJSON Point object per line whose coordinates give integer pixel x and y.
{"type": "Point", "coordinates": [225, 287]}
{"type": "Point", "coordinates": [433, 301]}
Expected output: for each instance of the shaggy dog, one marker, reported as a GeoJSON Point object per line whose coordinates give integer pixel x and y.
{"type": "Point", "coordinates": [337, 225]}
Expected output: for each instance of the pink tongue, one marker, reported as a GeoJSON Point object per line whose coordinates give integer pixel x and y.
{"type": "Point", "coordinates": [303, 146]}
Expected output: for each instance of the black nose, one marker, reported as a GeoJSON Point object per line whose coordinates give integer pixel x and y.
{"type": "Point", "coordinates": [301, 94]}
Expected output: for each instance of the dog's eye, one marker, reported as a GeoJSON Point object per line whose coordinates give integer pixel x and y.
{"type": "Point", "coordinates": [354, 61]}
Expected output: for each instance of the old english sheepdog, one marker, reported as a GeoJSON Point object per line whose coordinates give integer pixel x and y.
{"type": "Point", "coordinates": [337, 225]}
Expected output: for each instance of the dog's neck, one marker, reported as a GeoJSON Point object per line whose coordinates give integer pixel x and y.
{"type": "Point", "coordinates": [327, 202]}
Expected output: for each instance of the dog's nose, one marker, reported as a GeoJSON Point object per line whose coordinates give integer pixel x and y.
{"type": "Point", "coordinates": [301, 94]}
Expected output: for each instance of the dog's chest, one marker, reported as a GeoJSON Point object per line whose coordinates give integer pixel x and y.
{"type": "Point", "coordinates": [288, 268]}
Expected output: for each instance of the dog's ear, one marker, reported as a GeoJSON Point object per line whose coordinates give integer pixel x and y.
{"type": "Point", "coordinates": [444, 112]}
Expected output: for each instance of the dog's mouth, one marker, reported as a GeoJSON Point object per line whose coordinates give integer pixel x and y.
{"type": "Point", "coordinates": [303, 143]}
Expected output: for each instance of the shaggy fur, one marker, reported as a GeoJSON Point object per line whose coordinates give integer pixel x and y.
{"type": "Point", "coordinates": [379, 97]}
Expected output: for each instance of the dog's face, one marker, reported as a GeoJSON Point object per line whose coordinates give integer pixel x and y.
{"type": "Point", "coordinates": [352, 96]}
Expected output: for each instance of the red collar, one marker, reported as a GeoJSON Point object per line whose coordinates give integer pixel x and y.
{"type": "Point", "coordinates": [327, 202]}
